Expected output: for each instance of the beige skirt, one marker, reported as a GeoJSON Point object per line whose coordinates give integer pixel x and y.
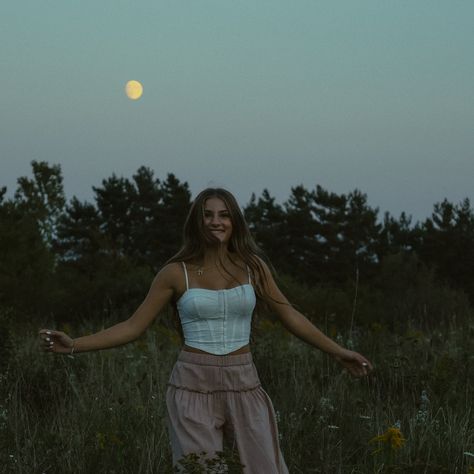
{"type": "Point", "coordinates": [209, 395]}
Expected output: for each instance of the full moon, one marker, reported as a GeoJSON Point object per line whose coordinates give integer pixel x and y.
{"type": "Point", "coordinates": [134, 90]}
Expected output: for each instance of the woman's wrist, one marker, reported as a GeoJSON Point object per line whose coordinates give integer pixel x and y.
{"type": "Point", "coordinates": [72, 347]}
{"type": "Point", "coordinates": [336, 350]}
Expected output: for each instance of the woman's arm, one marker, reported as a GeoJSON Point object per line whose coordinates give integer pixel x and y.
{"type": "Point", "coordinates": [305, 330]}
{"type": "Point", "coordinates": [160, 293]}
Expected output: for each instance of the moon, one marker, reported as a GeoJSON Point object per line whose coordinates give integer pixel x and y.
{"type": "Point", "coordinates": [134, 90]}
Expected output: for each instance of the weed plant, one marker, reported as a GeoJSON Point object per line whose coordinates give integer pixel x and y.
{"type": "Point", "coordinates": [104, 412]}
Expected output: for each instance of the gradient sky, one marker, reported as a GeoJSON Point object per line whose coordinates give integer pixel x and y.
{"type": "Point", "coordinates": [375, 95]}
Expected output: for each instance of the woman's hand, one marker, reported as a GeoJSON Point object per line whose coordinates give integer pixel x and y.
{"type": "Point", "coordinates": [354, 362]}
{"type": "Point", "coordinates": [55, 341]}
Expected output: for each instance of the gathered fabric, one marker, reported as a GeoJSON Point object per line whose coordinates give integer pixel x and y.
{"type": "Point", "coordinates": [209, 396]}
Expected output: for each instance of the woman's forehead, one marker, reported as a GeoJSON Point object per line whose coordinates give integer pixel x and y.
{"type": "Point", "coordinates": [215, 203]}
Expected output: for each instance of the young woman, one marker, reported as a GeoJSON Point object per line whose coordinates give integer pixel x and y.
{"type": "Point", "coordinates": [215, 282]}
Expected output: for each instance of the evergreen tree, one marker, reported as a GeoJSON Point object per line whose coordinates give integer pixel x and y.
{"type": "Point", "coordinates": [175, 205]}
{"type": "Point", "coordinates": [26, 262]}
{"type": "Point", "coordinates": [110, 251]}
{"type": "Point", "coordinates": [397, 235]}
{"type": "Point", "coordinates": [361, 233]}
{"type": "Point", "coordinates": [42, 197]}
{"type": "Point", "coordinates": [28, 225]}
{"type": "Point", "coordinates": [114, 204]}
{"type": "Point", "coordinates": [80, 238]}
{"type": "Point", "coordinates": [301, 232]}
{"type": "Point", "coordinates": [448, 243]}
{"type": "Point", "coordinates": [348, 234]}
{"type": "Point", "coordinates": [266, 221]}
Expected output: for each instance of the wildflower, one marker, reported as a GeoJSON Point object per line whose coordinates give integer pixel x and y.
{"type": "Point", "coordinates": [392, 439]}
{"type": "Point", "coordinates": [424, 400]}
{"type": "Point", "coordinates": [421, 417]}
{"type": "Point", "coordinates": [326, 405]}
{"type": "Point", "coordinates": [423, 413]}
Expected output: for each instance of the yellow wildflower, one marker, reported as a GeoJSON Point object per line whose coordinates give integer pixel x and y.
{"type": "Point", "coordinates": [392, 439]}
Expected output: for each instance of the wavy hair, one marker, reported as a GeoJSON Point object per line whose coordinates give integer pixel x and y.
{"type": "Point", "coordinates": [197, 239]}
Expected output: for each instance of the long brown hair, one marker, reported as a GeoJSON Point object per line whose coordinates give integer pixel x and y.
{"type": "Point", "coordinates": [196, 238]}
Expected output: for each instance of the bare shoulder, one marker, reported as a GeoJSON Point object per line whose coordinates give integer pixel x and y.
{"type": "Point", "coordinates": [159, 295]}
{"type": "Point", "coordinates": [169, 276]}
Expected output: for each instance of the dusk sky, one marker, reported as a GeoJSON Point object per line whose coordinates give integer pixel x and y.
{"type": "Point", "coordinates": [375, 95]}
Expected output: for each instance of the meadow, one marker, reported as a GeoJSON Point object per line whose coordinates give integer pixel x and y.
{"type": "Point", "coordinates": [104, 412]}
{"type": "Point", "coordinates": [400, 293]}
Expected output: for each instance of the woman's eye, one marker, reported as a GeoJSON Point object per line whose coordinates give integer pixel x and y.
{"type": "Point", "coordinates": [222, 215]}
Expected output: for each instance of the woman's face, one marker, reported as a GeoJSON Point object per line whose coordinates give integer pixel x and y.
{"type": "Point", "coordinates": [217, 219]}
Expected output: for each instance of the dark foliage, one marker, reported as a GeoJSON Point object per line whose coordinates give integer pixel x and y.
{"type": "Point", "coordinates": [72, 260]}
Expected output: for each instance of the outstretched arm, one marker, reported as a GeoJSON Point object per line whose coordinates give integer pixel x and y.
{"type": "Point", "coordinates": [160, 293]}
{"type": "Point", "coordinates": [305, 330]}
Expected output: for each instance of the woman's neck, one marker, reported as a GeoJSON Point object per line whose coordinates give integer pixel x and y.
{"type": "Point", "coordinates": [211, 259]}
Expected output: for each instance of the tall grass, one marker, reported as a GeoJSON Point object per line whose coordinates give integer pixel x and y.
{"type": "Point", "coordinates": [104, 412]}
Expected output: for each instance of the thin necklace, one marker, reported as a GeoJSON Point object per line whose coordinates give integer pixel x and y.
{"type": "Point", "coordinates": [200, 270]}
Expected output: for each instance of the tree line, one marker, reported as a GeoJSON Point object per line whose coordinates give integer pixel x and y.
{"type": "Point", "coordinates": [77, 259]}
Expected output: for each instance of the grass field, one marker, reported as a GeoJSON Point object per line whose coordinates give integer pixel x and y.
{"type": "Point", "coordinates": [104, 412]}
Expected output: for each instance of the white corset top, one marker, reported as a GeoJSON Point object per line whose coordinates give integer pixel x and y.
{"type": "Point", "coordinates": [216, 321]}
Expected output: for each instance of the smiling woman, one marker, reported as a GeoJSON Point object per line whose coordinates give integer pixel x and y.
{"type": "Point", "coordinates": [217, 219]}
{"type": "Point", "coordinates": [214, 284]}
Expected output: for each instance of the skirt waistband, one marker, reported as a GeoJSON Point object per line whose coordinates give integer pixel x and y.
{"type": "Point", "coordinates": [215, 360]}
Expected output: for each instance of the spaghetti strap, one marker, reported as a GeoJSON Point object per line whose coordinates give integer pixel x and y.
{"type": "Point", "coordinates": [248, 271]}
{"type": "Point", "coordinates": [186, 275]}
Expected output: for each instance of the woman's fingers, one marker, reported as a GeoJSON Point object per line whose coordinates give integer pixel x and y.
{"type": "Point", "coordinates": [48, 337]}
{"type": "Point", "coordinates": [360, 367]}
{"type": "Point", "coordinates": [366, 368]}
{"type": "Point", "coordinates": [49, 333]}
{"type": "Point", "coordinates": [55, 341]}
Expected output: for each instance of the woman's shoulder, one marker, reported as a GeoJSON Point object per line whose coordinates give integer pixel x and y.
{"type": "Point", "coordinates": [172, 273]}
{"type": "Point", "coordinates": [172, 267]}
